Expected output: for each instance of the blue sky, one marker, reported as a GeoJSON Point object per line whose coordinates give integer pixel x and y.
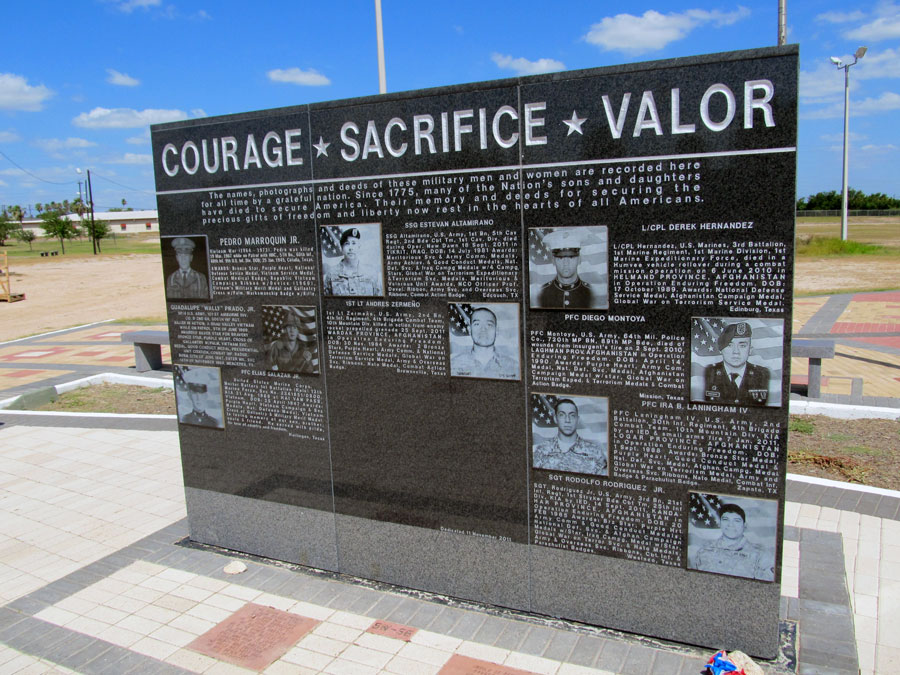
{"type": "Point", "coordinates": [81, 81]}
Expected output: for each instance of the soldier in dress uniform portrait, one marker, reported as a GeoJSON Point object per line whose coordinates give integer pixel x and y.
{"type": "Point", "coordinates": [348, 276]}
{"type": "Point", "coordinates": [734, 380]}
{"type": "Point", "coordinates": [567, 451]}
{"type": "Point", "coordinates": [567, 290]}
{"type": "Point", "coordinates": [186, 282]}
{"type": "Point", "coordinates": [288, 353]}
{"type": "Point", "coordinates": [198, 396]}
{"type": "Point", "coordinates": [732, 553]}
{"type": "Point", "coordinates": [484, 359]}
{"type": "Point", "coordinates": [198, 414]}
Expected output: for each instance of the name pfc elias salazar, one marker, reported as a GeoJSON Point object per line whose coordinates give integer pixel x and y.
{"type": "Point", "coordinates": [450, 131]}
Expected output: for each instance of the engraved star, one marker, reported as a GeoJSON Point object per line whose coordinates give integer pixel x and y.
{"type": "Point", "coordinates": [321, 147]}
{"type": "Point", "coordinates": [574, 124]}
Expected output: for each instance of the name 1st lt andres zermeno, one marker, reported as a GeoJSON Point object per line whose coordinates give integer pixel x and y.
{"type": "Point", "coordinates": [450, 131]}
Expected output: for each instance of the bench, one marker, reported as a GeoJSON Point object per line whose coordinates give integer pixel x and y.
{"type": "Point", "coordinates": [147, 348]}
{"type": "Point", "coordinates": [44, 254]}
{"type": "Point", "coordinates": [815, 351]}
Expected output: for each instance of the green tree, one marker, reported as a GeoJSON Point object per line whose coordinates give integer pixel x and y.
{"type": "Point", "coordinates": [95, 229]}
{"type": "Point", "coordinates": [7, 228]}
{"type": "Point", "coordinates": [857, 200]}
{"type": "Point", "coordinates": [16, 213]}
{"type": "Point", "coordinates": [27, 236]}
{"type": "Point", "coordinates": [58, 226]}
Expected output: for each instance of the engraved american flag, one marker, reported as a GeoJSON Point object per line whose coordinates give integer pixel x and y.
{"type": "Point", "coordinates": [706, 510]}
{"type": "Point", "coordinates": [460, 317]}
{"type": "Point", "coordinates": [331, 241]}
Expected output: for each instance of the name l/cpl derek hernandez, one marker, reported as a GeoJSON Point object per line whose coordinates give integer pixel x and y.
{"type": "Point", "coordinates": [675, 227]}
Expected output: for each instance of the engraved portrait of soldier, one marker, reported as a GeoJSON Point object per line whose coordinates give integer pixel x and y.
{"type": "Point", "coordinates": [185, 265]}
{"type": "Point", "coordinates": [291, 339]}
{"type": "Point", "coordinates": [732, 535]}
{"type": "Point", "coordinates": [484, 340]}
{"type": "Point", "coordinates": [570, 433]}
{"type": "Point", "coordinates": [351, 260]}
{"type": "Point", "coordinates": [568, 267]}
{"type": "Point", "coordinates": [198, 396]}
{"type": "Point", "coordinates": [737, 361]}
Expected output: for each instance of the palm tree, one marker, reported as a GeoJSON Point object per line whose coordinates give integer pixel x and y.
{"type": "Point", "coordinates": [16, 212]}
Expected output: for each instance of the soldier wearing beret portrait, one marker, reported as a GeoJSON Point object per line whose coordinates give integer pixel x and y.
{"type": "Point", "coordinates": [735, 380]}
{"type": "Point", "coordinates": [186, 282]}
{"type": "Point", "coordinates": [348, 276]}
{"type": "Point", "coordinates": [567, 290]}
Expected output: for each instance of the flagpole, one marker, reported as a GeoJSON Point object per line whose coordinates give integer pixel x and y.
{"type": "Point", "coordinates": [382, 79]}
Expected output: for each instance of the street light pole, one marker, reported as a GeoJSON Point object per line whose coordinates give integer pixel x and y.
{"type": "Point", "coordinates": [91, 200]}
{"type": "Point", "coordinates": [90, 196]}
{"type": "Point", "coordinates": [861, 52]}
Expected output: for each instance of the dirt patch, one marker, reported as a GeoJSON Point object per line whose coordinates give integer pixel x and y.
{"type": "Point", "coordinates": [61, 293]}
{"type": "Point", "coordinates": [842, 275]}
{"type": "Point", "coordinates": [115, 398]}
{"type": "Point", "coordinates": [855, 451]}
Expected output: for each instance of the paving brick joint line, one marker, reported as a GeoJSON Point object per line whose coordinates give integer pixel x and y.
{"type": "Point", "coordinates": [819, 552]}
{"type": "Point", "coordinates": [835, 602]}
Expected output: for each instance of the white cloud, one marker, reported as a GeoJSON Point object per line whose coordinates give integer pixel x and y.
{"type": "Point", "coordinates": [306, 78]}
{"type": "Point", "coordinates": [129, 6]}
{"type": "Point", "coordinates": [57, 144]}
{"type": "Point", "coordinates": [198, 112]}
{"type": "Point", "coordinates": [839, 138]}
{"type": "Point", "coordinates": [884, 63]}
{"type": "Point", "coordinates": [3, 183]}
{"type": "Point", "coordinates": [121, 79]}
{"type": "Point", "coordinates": [17, 94]}
{"type": "Point", "coordinates": [143, 139]}
{"type": "Point", "coordinates": [650, 31]}
{"type": "Point", "coordinates": [872, 106]}
{"type": "Point", "coordinates": [880, 149]}
{"type": "Point", "coordinates": [887, 102]}
{"type": "Point", "coordinates": [824, 84]}
{"type": "Point", "coordinates": [126, 118]}
{"type": "Point", "coordinates": [131, 158]}
{"type": "Point", "coordinates": [840, 17]}
{"type": "Point", "coordinates": [522, 66]}
{"type": "Point", "coordinates": [885, 27]}
{"type": "Point", "coordinates": [9, 137]}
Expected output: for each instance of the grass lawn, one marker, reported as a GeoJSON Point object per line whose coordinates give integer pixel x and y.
{"type": "Point", "coordinates": [122, 244]}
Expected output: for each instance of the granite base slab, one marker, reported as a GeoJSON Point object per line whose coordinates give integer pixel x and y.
{"type": "Point", "coordinates": [268, 529]}
{"type": "Point", "coordinates": [703, 609]}
{"type": "Point", "coordinates": [474, 568]}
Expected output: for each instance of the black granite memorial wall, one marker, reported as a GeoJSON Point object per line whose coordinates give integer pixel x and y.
{"type": "Point", "coordinates": [523, 342]}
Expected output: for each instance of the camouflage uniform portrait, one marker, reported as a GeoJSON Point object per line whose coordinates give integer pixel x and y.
{"type": "Point", "coordinates": [567, 449]}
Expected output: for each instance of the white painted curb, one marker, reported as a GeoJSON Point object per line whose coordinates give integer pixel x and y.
{"type": "Point", "coordinates": [825, 482]}
{"type": "Point", "coordinates": [842, 411]}
{"type": "Point", "coordinates": [100, 378]}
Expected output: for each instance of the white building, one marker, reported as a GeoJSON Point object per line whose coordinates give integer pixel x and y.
{"type": "Point", "coordinates": [120, 222]}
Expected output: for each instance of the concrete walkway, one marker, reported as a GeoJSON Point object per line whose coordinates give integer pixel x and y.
{"type": "Point", "coordinates": [95, 577]}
